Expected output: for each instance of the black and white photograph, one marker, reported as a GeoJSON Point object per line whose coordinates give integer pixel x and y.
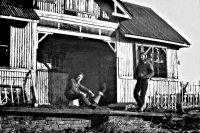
{"type": "Point", "coordinates": [99, 66]}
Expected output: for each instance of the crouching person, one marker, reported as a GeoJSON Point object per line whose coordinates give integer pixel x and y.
{"type": "Point", "coordinates": [75, 90]}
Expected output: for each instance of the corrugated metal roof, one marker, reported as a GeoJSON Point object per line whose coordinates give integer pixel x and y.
{"type": "Point", "coordinates": [15, 8]}
{"type": "Point", "coordinates": [146, 23]}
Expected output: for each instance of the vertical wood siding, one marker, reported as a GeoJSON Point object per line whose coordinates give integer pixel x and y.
{"type": "Point", "coordinates": [82, 8]}
{"type": "Point", "coordinates": [21, 47]}
{"type": "Point", "coordinates": [57, 7]}
{"type": "Point", "coordinates": [125, 81]}
{"type": "Point", "coordinates": [125, 59]}
{"type": "Point", "coordinates": [42, 87]}
{"type": "Point", "coordinates": [172, 63]}
{"type": "Point", "coordinates": [125, 89]}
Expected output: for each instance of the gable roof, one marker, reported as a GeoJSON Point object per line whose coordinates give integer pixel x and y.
{"type": "Point", "coordinates": [146, 24]}
{"type": "Point", "coordinates": [14, 8]}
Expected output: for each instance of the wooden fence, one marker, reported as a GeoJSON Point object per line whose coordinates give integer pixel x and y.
{"type": "Point", "coordinates": [15, 86]}
{"type": "Point", "coordinates": [167, 93]}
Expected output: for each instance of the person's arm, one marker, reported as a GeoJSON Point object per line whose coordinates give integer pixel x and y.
{"type": "Point", "coordinates": [136, 72]}
{"type": "Point", "coordinates": [73, 86]}
{"type": "Point", "coordinates": [86, 90]}
{"type": "Point", "coordinates": [150, 72]}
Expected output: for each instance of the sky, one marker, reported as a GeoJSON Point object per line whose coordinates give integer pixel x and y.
{"type": "Point", "coordinates": [184, 17]}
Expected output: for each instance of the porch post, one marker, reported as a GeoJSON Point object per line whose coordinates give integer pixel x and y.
{"type": "Point", "coordinates": [34, 61]}
{"type": "Point", "coordinates": [117, 65]}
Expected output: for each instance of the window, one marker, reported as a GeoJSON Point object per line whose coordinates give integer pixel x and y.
{"type": "Point", "coordinates": [78, 5]}
{"type": "Point", "coordinates": [157, 56]}
{"type": "Point", "coordinates": [4, 43]}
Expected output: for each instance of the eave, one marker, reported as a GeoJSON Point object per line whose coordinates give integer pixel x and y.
{"type": "Point", "coordinates": [64, 18]}
{"type": "Point", "coordinates": [153, 39]}
{"type": "Point", "coordinates": [48, 30]}
{"type": "Point", "coordinates": [18, 19]}
{"type": "Point", "coordinates": [156, 40]}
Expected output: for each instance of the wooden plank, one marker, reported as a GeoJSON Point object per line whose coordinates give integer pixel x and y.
{"type": "Point", "coordinates": [86, 113]}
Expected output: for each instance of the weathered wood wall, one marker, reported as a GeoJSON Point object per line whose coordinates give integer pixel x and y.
{"type": "Point", "coordinates": [22, 45]}
{"type": "Point", "coordinates": [83, 8]}
{"type": "Point", "coordinates": [172, 63]}
{"type": "Point", "coordinates": [125, 71]}
{"type": "Point", "coordinates": [126, 62]}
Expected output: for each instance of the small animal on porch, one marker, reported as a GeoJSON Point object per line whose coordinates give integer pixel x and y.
{"type": "Point", "coordinates": [75, 90]}
{"type": "Point", "coordinates": [144, 71]}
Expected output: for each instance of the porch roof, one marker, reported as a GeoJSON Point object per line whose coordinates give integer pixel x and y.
{"type": "Point", "coordinates": [146, 24]}
{"type": "Point", "coordinates": [14, 8]}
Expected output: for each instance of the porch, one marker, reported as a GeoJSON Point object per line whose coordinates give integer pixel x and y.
{"type": "Point", "coordinates": [16, 88]}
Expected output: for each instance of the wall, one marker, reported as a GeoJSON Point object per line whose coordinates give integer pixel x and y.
{"type": "Point", "coordinates": [172, 64]}
{"type": "Point", "coordinates": [22, 44]}
{"type": "Point", "coordinates": [125, 70]}
{"type": "Point", "coordinates": [12, 123]}
{"type": "Point", "coordinates": [126, 62]}
{"type": "Point", "coordinates": [92, 9]}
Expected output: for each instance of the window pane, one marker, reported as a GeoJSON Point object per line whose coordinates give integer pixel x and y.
{"type": "Point", "coordinates": [157, 56]}
{"type": "Point", "coordinates": [4, 42]}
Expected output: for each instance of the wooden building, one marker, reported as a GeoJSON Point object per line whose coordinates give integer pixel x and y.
{"type": "Point", "coordinates": [101, 38]}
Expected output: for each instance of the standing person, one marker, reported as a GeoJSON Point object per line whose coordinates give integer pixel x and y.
{"type": "Point", "coordinates": [75, 90]}
{"type": "Point", "coordinates": [144, 71]}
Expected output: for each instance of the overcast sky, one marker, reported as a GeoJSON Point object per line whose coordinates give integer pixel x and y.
{"type": "Point", "coordinates": [183, 16]}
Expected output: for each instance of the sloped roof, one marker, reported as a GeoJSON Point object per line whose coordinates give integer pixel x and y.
{"type": "Point", "coordinates": [14, 8]}
{"type": "Point", "coordinates": [146, 23]}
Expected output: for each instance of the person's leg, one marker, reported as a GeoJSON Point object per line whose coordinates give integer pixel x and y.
{"type": "Point", "coordinates": [136, 94]}
{"type": "Point", "coordinates": [144, 86]}
{"type": "Point", "coordinates": [79, 96]}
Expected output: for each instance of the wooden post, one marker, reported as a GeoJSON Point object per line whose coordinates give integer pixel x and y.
{"type": "Point", "coordinates": [34, 60]}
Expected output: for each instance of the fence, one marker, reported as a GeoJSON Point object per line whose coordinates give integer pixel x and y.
{"type": "Point", "coordinates": [167, 93]}
{"type": "Point", "coordinates": [15, 86]}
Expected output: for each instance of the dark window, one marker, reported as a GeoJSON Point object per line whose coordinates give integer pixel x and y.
{"type": "Point", "coordinates": [4, 42]}
{"type": "Point", "coordinates": [158, 57]}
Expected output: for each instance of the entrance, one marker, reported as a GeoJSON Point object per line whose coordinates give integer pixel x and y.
{"type": "Point", "coordinates": [68, 55]}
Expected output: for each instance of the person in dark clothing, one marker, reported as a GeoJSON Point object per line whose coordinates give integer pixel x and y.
{"type": "Point", "coordinates": [144, 71]}
{"type": "Point", "coordinates": [75, 90]}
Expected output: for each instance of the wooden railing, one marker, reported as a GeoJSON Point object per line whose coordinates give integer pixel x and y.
{"type": "Point", "coordinates": [15, 86]}
{"type": "Point", "coordinates": [81, 8]}
{"type": "Point", "coordinates": [167, 93]}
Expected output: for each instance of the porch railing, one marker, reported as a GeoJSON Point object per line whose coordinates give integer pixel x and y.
{"type": "Point", "coordinates": [80, 8]}
{"type": "Point", "coordinates": [167, 93]}
{"type": "Point", "coordinates": [15, 86]}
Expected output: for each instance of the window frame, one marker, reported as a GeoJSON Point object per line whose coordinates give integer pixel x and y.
{"type": "Point", "coordinates": [152, 47]}
{"type": "Point", "coordinates": [5, 64]}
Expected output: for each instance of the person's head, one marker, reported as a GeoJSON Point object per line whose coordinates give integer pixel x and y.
{"type": "Point", "coordinates": [142, 56]}
{"type": "Point", "coordinates": [79, 76]}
